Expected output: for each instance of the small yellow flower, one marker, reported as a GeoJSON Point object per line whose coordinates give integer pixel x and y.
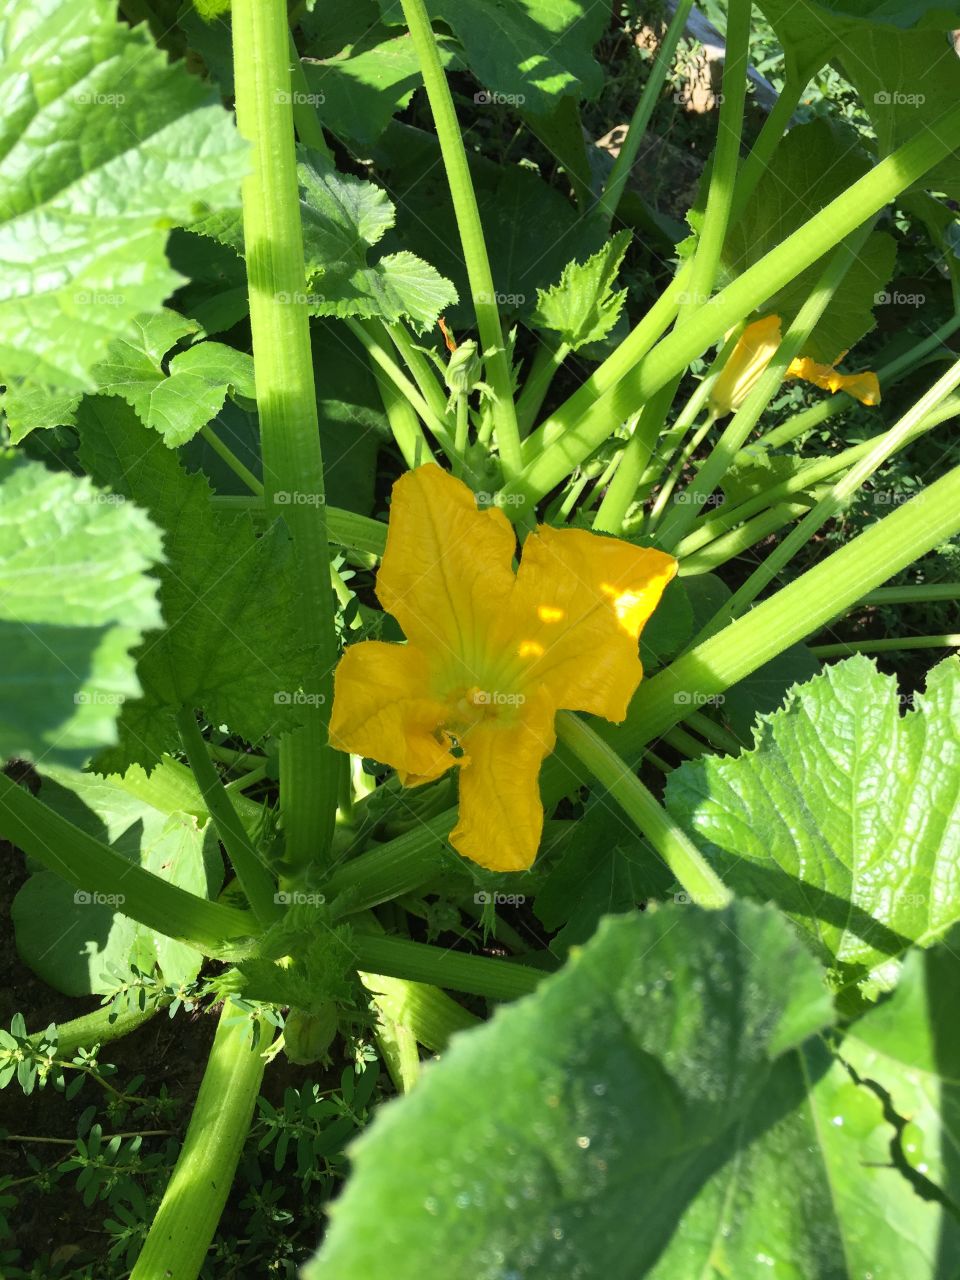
{"type": "Point", "coordinates": [754, 351]}
{"type": "Point", "coordinates": [491, 655]}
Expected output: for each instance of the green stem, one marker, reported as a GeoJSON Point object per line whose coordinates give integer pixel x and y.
{"type": "Point", "coordinates": [233, 462]}
{"type": "Point", "coordinates": [676, 848]}
{"type": "Point", "coordinates": [629, 148]}
{"type": "Point", "coordinates": [471, 233]}
{"type": "Point", "coordinates": [726, 157]}
{"type": "Point", "coordinates": [633, 462]}
{"type": "Point", "coordinates": [675, 472]}
{"type": "Point", "coordinates": [805, 480]}
{"type": "Point", "coordinates": [424, 374]}
{"type": "Point", "coordinates": [306, 121]}
{"type": "Point", "coordinates": [429, 1013]}
{"type": "Point", "coordinates": [190, 1210]}
{"type": "Point", "coordinates": [417, 962]}
{"type": "Point", "coordinates": [890, 644]}
{"type": "Point", "coordinates": [286, 400]}
{"type": "Point", "coordinates": [793, 613]}
{"type": "Point", "coordinates": [742, 539]}
{"type": "Point", "coordinates": [580, 425]}
{"type": "Point", "coordinates": [888, 375]}
{"type": "Point", "coordinates": [922, 593]}
{"type": "Point", "coordinates": [404, 423]}
{"type": "Point", "coordinates": [97, 1028]}
{"type": "Point", "coordinates": [547, 360]}
{"type": "Point", "coordinates": [367, 335]}
{"type": "Point", "coordinates": [255, 878]}
{"type": "Point", "coordinates": [95, 868]}
{"type": "Point", "coordinates": [683, 516]}
{"type": "Point", "coordinates": [834, 501]}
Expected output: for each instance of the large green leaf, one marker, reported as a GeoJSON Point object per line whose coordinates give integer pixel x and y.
{"type": "Point", "coordinates": [845, 813]}
{"type": "Point", "coordinates": [75, 598]}
{"type": "Point", "coordinates": [910, 1046]}
{"type": "Point", "coordinates": [515, 206]}
{"type": "Point", "coordinates": [176, 401]}
{"type": "Point", "coordinates": [358, 93]}
{"type": "Point", "coordinates": [233, 643]}
{"type": "Point", "coordinates": [812, 31]}
{"type": "Point", "coordinates": [105, 145]}
{"type": "Point", "coordinates": [813, 164]}
{"type": "Point", "coordinates": [528, 51]}
{"type": "Point", "coordinates": [72, 938]}
{"type": "Point", "coordinates": [907, 80]}
{"type": "Point", "coordinates": [654, 1110]}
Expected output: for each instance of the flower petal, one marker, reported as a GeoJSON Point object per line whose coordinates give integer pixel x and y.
{"type": "Point", "coordinates": [864, 386]}
{"type": "Point", "coordinates": [382, 709]}
{"type": "Point", "coordinates": [581, 601]}
{"type": "Point", "coordinates": [447, 567]}
{"type": "Point", "coordinates": [501, 815]}
{"type": "Point", "coordinates": [754, 350]}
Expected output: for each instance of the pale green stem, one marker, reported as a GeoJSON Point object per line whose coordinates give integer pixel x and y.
{"type": "Point", "coordinates": [630, 146]}
{"type": "Point", "coordinates": [585, 421]}
{"type": "Point", "coordinates": [233, 462]}
{"type": "Point", "coordinates": [723, 174]}
{"type": "Point", "coordinates": [95, 868]}
{"type": "Point", "coordinates": [663, 497]}
{"type": "Point", "coordinates": [890, 644]}
{"type": "Point", "coordinates": [672, 843]}
{"type": "Point", "coordinates": [287, 401]}
{"type": "Point", "coordinates": [403, 420]}
{"type": "Point", "coordinates": [683, 516]}
{"type": "Point", "coordinates": [807, 480]}
{"type": "Point", "coordinates": [834, 501]}
{"type": "Point", "coordinates": [497, 362]}
{"type": "Point", "coordinates": [547, 360]}
{"type": "Point", "coordinates": [368, 338]}
{"type": "Point", "coordinates": [922, 593]}
{"type": "Point", "coordinates": [742, 539]}
{"type": "Point", "coordinates": [255, 878]}
{"type": "Point", "coordinates": [190, 1210]}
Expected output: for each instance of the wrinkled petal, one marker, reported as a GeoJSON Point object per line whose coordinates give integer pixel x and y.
{"type": "Point", "coordinates": [383, 709]}
{"type": "Point", "coordinates": [501, 816]}
{"type": "Point", "coordinates": [447, 568]}
{"type": "Point", "coordinates": [745, 364]}
{"type": "Point", "coordinates": [579, 606]}
{"type": "Point", "coordinates": [864, 386]}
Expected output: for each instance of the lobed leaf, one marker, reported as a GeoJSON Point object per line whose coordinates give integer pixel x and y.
{"type": "Point", "coordinates": [75, 599]}
{"type": "Point", "coordinates": [845, 813]}
{"type": "Point", "coordinates": [105, 146]}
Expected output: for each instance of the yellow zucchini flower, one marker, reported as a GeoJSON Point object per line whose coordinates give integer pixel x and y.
{"type": "Point", "coordinates": [491, 655]}
{"type": "Point", "coordinates": [754, 351]}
